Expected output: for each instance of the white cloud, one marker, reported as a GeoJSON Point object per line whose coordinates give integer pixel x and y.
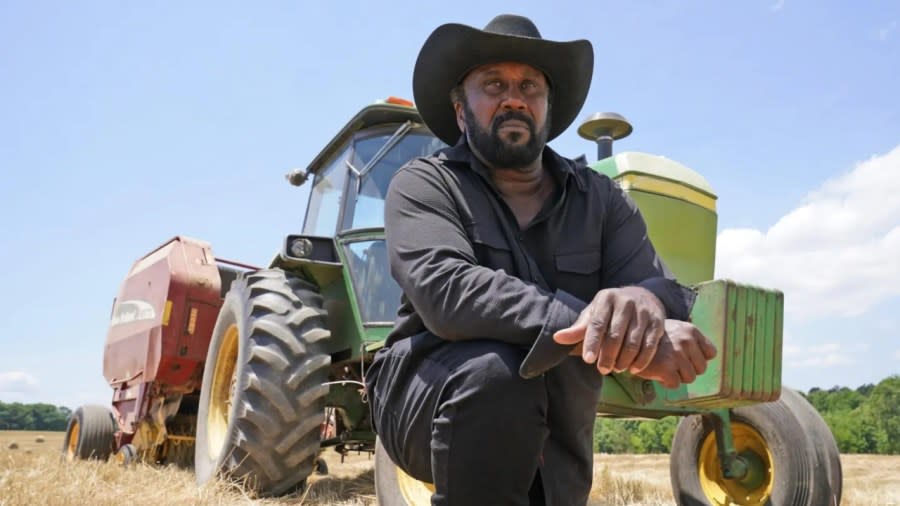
{"type": "Point", "coordinates": [836, 254]}
{"type": "Point", "coordinates": [777, 6]}
{"type": "Point", "coordinates": [792, 350]}
{"type": "Point", "coordinates": [820, 355]}
{"type": "Point", "coordinates": [886, 325]}
{"type": "Point", "coordinates": [17, 382]}
{"type": "Point", "coordinates": [897, 355]}
{"type": "Point", "coordinates": [885, 33]}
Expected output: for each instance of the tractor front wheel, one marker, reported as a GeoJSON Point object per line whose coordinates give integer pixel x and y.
{"type": "Point", "coordinates": [90, 434]}
{"type": "Point", "coordinates": [393, 487]}
{"type": "Point", "coordinates": [262, 399]}
{"type": "Point", "coordinates": [788, 458]}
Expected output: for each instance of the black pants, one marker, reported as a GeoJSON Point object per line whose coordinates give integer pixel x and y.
{"type": "Point", "coordinates": [458, 414]}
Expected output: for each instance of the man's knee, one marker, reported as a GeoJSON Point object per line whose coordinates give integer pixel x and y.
{"type": "Point", "coordinates": [488, 381]}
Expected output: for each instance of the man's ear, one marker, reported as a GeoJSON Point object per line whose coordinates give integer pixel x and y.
{"type": "Point", "coordinates": [460, 116]}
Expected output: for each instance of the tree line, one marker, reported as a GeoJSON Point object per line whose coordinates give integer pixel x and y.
{"type": "Point", "coordinates": [18, 416]}
{"type": "Point", "coordinates": [864, 420]}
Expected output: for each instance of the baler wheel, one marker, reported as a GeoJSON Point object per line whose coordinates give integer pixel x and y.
{"type": "Point", "coordinates": [393, 487]}
{"type": "Point", "coordinates": [262, 399]}
{"type": "Point", "coordinates": [321, 467]}
{"type": "Point", "coordinates": [127, 455]}
{"type": "Point", "coordinates": [786, 457]}
{"type": "Point", "coordinates": [90, 434]}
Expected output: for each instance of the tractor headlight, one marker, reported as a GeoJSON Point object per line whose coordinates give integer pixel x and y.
{"type": "Point", "coordinates": [301, 247]}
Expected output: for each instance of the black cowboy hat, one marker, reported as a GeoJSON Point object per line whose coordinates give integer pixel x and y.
{"type": "Point", "coordinates": [453, 50]}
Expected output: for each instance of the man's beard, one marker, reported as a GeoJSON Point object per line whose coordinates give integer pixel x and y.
{"type": "Point", "coordinates": [496, 151]}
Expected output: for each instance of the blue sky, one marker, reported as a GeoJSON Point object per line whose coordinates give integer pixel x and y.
{"type": "Point", "coordinates": [125, 123]}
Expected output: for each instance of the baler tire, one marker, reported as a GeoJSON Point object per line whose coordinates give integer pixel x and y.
{"type": "Point", "coordinates": [90, 434]}
{"type": "Point", "coordinates": [393, 487]}
{"type": "Point", "coordinates": [321, 467]}
{"type": "Point", "coordinates": [263, 428]}
{"type": "Point", "coordinates": [126, 456]}
{"type": "Point", "coordinates": [775, 433]}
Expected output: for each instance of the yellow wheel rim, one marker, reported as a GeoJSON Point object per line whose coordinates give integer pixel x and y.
{"type": "Point", "coordinates": [724, 492]}
{"type": "Point", "coordinates": [222, 392]}
{"type": "Point", "coordinates": [125, 455]}
{"type": "Point", "coordinates": [414, 492]}
{"type": "Point", "coordinates": [72, 442]}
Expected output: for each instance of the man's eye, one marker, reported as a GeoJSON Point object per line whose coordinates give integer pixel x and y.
{"type": "Point", "coordinates": [530, 86]}
{"type": "Point", "coordinates": [494, 85]}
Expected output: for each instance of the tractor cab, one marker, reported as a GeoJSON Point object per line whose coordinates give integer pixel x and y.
{"type": "Point", "coordinates": [344, 222]}
{"type": "Point", "coordinates": [352, 174]}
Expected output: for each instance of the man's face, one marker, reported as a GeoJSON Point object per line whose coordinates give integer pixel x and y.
{"type": "Point", "coordinates": [504, 113]}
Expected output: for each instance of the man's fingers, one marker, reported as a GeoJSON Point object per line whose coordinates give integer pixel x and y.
{"type": "Point", "coordinates": [622, 314]}
{"type": "Point", "coordinates": [652, 335]}
{"type": "Point", "coordinates": [707, 347]}
{"type": "Point", "coordinates": [576, 351]}
{"type": "Point", "coordinates": [634, 341]}
{"type": "Point", "coordinates": [671, 383]}
{"type": "Point", "coordinates": [695, 356]}
{"type": "Point", "coordinates": [686, 371]}
{"type": "Point", "coordinates": [597, 325]}
{"type": "Point", "coordinates": [575, 333]}
{"type": "Point", "coordinates": [671, 379]}
{"type": "Point", "coordinates": [569, 335]}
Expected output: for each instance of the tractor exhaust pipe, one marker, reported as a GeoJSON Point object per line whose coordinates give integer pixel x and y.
{"type": "Point", "coordinates": [604, 128]}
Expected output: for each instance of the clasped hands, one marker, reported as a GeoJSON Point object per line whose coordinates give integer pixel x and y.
{"type": "Point", "coordinates": [625, 329]}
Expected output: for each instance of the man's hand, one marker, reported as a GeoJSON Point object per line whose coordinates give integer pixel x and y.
{"type": "Point", "coordinates": [681, 356]}
{"type": "Point", "coordinates": [620, 329]}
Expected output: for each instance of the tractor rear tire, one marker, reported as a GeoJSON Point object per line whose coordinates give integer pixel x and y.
{"type": "Point", "coordinates": [262, 399]}
{"type": "Point", "coordinates": [90, 434]}
{"type": "Point", "coordinates": [393, 487]}
{"type": "Point", "coordinates": [777, 438]}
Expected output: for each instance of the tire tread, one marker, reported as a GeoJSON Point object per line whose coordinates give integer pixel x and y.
{"type": "Point", "coordinates": [275, 437]}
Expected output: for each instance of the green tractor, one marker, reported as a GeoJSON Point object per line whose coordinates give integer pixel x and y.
{"type": "Point", "coordinates": [282, 375]}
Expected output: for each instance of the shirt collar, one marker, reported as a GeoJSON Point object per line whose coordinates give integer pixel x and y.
{"type": "Point", "coordinates": [562, 168]}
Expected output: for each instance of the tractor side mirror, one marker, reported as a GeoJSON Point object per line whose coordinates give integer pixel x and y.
{"type": "Point", "coordinates": [297, 177]}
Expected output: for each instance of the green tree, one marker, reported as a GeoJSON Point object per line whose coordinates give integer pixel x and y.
{"type": "Point", "coordinates": [49, 417]}
{"type": "Point", "coordinates": [835, 399]}
{"type": "Point", "coordinates": [866, 390]}
{"type": "Point", "coordinates": [863, 420]}
{"type": "Point", "coordinates": [654, 436]}
{"type": "Point", "coordinates": [612, 436]}
{"type": "Point", "coordinates": [884, 404]}
{"type": "Point", "coordinates": [854, 431]}
{"type": "Point", "coordinates": [18, 416]}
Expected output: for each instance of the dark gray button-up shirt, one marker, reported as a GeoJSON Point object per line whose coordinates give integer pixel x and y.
{"type": "Point", "coordinates": [468, 271]}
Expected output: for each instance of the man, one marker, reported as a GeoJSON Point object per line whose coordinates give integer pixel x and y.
{"type": "Point", "coordinates": [509, 255]}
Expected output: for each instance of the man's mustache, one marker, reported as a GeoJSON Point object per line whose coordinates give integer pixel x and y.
{"type": "Point", "coordinates": [508, 115]}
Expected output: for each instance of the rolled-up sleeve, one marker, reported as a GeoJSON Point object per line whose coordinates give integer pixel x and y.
{"type": "Point", "coordinates": [433, 261]}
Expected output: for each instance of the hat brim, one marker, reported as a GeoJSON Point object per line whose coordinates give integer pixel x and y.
{"type": "Point", "coordinates": [453, 50]}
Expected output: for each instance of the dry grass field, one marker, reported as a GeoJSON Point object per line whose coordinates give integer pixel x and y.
{"type": "Point", "coordinates": [33, 474]}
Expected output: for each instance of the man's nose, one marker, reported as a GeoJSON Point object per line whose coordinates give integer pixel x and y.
{"type": "Point", "coordinates": [513, 99]}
